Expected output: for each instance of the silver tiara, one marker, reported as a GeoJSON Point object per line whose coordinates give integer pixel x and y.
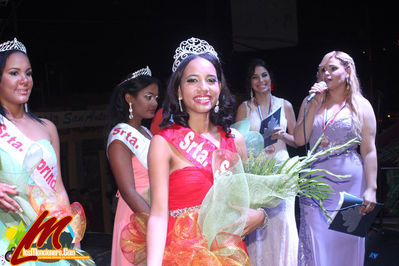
{"type": "Point", "coordinates": [191, 46]}
{"type": "Point", "coordinates": [12, 45]}
{"type": "Point", "coordinates": [141, 72]}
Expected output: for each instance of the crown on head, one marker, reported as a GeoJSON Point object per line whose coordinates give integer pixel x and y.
{"type": "Point", "coordinates": [191, 46]}
{"type": "Point", "coordinates": [12, 45]}
{"type": "Point", "coordinates": [141, 72]}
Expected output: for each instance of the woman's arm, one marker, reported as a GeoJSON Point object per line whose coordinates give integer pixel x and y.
{"type": "Point", "coordinates": [369, 154]}
{"type": "Point", "coordinates": [241, 111]}
{"type": "Point", "coordinates": [311, 109]}
{"type": "Point", "coordinates": [120, 159]}
{"type": "Point", "coordinates": [159, 158]}
{"type": "Point", "coordinates": [255, 219]}
{"type": "Point", "coordinates": [240, 144]}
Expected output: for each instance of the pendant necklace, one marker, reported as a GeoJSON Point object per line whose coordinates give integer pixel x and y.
{"type": "Point", "coordinates": [260, 112]}
{"type": "Point", "coordinates": [327, 121]}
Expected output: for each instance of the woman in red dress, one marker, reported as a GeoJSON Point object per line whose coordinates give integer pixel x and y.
{"type": "Point", "coordinates": [180, 157]}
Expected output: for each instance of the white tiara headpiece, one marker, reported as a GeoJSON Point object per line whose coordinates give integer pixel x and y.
{"type": "Point", "coordinates": [141, 72]}
{"type": "Point", "coordinates": [191, 46]}
{"type": "Point", "coordinates": [12, 45]}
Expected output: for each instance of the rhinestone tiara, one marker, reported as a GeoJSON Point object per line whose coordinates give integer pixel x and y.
{"type": "Point", "coordinates": [12, 45]}
{"type": "Point", "coordinates": [191, 46]}
{"type": "Point", "coordinates": [141, 72]}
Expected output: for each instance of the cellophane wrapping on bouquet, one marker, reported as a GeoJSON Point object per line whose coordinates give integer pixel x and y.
{"type": "Point", "coordinates": [133, 239]}
{"type": "Point", "coordinates": [187, 245]}
{"type": "Point", "coordinates": [273, 180]}
{"type": "Point", "coordinates": [225, 207]}
{"type": "Point", "coordinates": [34, 199]}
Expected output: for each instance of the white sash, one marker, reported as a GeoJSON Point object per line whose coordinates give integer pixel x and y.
{"type": "Point", "coordinates": [17, 145]}
{"type": "Point", "coordinates": [133, 139]}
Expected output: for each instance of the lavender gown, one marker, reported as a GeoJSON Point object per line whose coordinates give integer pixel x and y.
{"type": "Point", "coordinates": [317, 244]}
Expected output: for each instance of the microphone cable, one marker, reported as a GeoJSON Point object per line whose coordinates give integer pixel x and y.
{"type": "Point", "coordinates": [304, 126]}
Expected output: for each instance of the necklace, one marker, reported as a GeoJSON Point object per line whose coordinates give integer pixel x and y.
{"type": "Point", "coordinates": [328, 121]}
{"type": "Point", "coordinates": [325, 141]}
{"type": "Point", "coordinates": [259, 111]}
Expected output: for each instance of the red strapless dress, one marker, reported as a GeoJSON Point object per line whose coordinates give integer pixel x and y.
{"type": "Point", "coordinates": [185, 245]}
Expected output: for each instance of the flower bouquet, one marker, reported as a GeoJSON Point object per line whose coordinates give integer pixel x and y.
{"type": "Point", "coordinates": [259, 182]}
{"type": "Point", "coordinates": [289, 178]}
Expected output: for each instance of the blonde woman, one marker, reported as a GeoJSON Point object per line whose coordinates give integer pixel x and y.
{"type": "Point", "coordinates": [337, 113]}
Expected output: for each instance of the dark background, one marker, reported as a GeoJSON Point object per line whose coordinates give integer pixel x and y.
{"type": "Point", "coordinates": [80, 49]}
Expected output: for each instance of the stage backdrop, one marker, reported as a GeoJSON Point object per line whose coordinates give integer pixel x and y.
{"type": "Point", "coordinates": [263, 24]}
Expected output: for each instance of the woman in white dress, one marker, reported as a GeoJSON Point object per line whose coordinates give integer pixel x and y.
{"type": "Point", "coordinates": [277, 244]}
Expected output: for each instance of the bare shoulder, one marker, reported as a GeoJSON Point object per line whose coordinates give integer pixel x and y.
{"type": "Point", "coordinates": [288, 108]}
{"type": "Point", "coordinates": [240, 144]}
{"type": "Point", "coordinates": [363, 101]}
{"type": "Point", "coordinates": [365, 107]}
{"type": "Point", "coordinates": [243, 104]}
{"type": "Point", "coordinates": [159, 145]}
{"type": "Point", "coordinates": [49, 126]}
{"type": "Point", "coordinates": [45, 129]}
{"type": "Point", "coordinates": [242, 111]}
{"type": "Point", "coordinates": [287, 104]}
{"type": "Point", "coordinates": [158, 139]}
{"type": "Point", "coordinates": [160, 154]}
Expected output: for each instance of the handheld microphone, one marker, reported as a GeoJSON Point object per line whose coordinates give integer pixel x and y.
{"type": "Point", "coordinates": [322, 84]}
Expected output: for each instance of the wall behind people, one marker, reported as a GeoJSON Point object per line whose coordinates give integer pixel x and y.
{"type": "Point", "coordinates": [100, 32]}
{"type": "Point", "coordinates": [293, 72]}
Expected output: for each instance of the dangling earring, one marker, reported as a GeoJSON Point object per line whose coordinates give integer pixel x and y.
{"type": "Point", "coordinates": [252, 93]}
{"type": "Point", "coordinates": [217, 107]}
{"type": "Point", "coordinates": [181, 108]}
{"type": "Point", "coordinates": [26, 107]}
{"type": "Point", "coordinates": [347, 83]}
{"type": "Point", "coordinates": [130, 111]}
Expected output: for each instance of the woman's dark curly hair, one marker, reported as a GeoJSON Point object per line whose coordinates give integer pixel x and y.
{"type": "Point", "coordinates": [118, 110]}
{"type": "Point", "coordinates": [251, 70]}
{"type": "Point", "coordinates": [171, 109]}
{"type": "Point", "coordinates": [3, 61]}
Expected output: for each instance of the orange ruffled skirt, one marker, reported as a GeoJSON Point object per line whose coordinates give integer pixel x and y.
{"type": "Point", "coordinates": [187, 246]}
